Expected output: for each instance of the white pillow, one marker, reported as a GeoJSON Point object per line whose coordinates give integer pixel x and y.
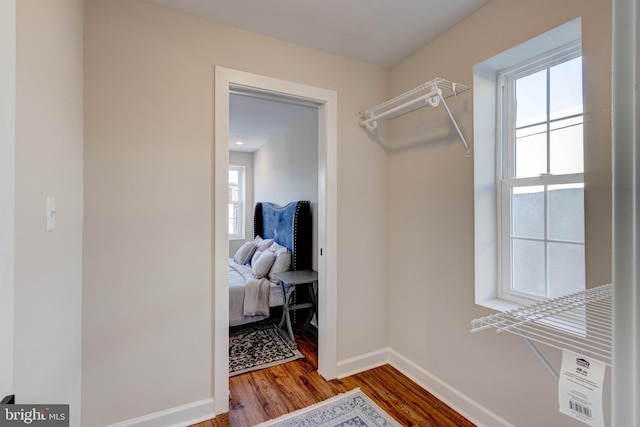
{"type": "Point", "coordinates": [282, 263]}
{"type": "Point", "coordinates": [243, 254]}
{"type": "Point", "coordinates": [255, 256]}
{"type": "Point", "coordinates": [275, 247]}
{"type": "Point", "coordinates": [262, 244]}
{"type": "Point", "coordinates": [260, 268]}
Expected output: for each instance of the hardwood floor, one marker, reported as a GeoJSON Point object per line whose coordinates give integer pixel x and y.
{"type": "Point", "coordinates": [262, 395]}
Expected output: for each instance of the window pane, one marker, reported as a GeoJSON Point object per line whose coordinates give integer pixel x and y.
{"type": "Point", "coordinates": [528, 272]}
{"type": "Point", "coordinates": [566, 148]}
{"type": "Point", "coordinates": [566, 269]}
{"type": "Point", "coordinates": [234, 193]}
{"type": "Point", "coordinates": [527, 212]}
{"type": "Point", "coordinates": [566, 88]}
{"type": "Point", "coordinates": [233, 219]}
{"type": "Point", "coordinates": [566, 212]}
{"type": "Point", "coordinates": [563, 123]}
{"type": "Point", "coordinates": [236, 201]}
{"type": "Point", "coordinates": [531, 130]}
{"type": "Point", "coordinates": [531, 156]}
{"type": "Point", "coordinates": [233, 177]}
{"type": "Point", "coordinates": [531, 99]}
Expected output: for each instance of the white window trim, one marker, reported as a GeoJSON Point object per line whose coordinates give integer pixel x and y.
{"type": "Point", "coordinates": [487, 167]}
{"type": "Point", "coordinates": [241, 203]}
{"type": "Point", "coordinates": [505, 182]}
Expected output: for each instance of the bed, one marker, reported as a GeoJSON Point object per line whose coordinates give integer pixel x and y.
{"type": "Point", "coordinates": [254, 291]}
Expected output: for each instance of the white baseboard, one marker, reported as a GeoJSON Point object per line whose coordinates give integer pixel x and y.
{"type": "Point", "coordinates": [363, 363]}
{"type": "Point", "coordinates": [180, 416]}
{"type": "Point", "coordinates": [203, 410]}
{"type": "Point", "coordinates": [458, 401]}
{"type": "Point", "coordinates": [454, 398]}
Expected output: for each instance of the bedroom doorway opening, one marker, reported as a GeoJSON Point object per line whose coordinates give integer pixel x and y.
{"type": "Point", "coordinates": [233, 86]}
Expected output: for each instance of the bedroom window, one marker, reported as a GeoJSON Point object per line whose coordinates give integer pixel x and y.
{"type": "Point", "coordinates": [540, 190]}
{"type": "Point", "coordinates": [236, 202]}
{"type": "Point", "coordinates": [528, 170]}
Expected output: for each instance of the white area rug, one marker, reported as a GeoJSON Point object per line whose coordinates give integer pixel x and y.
{"type": "Point", "coordinates": [350, 409]}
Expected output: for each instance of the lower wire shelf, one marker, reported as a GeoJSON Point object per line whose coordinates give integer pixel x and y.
{"type": "Point", "coordinates": [579, 322]}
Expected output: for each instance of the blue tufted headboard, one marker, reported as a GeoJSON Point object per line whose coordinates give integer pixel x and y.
{"type": "Point", "coordinates": [290, 226]}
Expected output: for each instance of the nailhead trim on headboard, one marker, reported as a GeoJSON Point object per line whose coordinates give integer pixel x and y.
{"type": "Point", "coordinates": [295, 238]}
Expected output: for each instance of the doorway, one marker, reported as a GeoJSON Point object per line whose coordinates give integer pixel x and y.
{"type": "Point", "coordinates": [226, 80]}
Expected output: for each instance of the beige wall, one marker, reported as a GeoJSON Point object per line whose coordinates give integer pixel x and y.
{"type": "Point", "coordinates": [147, 254]}
{"type": "Point", "coordinates": [48, 162]}
{"type": "Point", "coordinates": [431, 210]}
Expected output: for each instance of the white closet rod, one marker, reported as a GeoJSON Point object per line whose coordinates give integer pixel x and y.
{"type": "Point", "coordinates": [371, 122]}
{"type": "Point", "coordinates": [369, 118]}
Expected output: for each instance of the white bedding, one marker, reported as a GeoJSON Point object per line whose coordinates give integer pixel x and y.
{"type": "Point", "coordinates": [238, 276]}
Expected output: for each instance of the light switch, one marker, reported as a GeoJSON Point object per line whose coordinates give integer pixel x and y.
{"type": "Point", "coordinates": [51, 213]}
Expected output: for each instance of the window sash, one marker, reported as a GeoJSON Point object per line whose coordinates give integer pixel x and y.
{"type": "Point", "coordinates": [236, 206]}
{"type": "Point", "coordinates": [507, 102]}
{"type": "Point", "coordinates": [505, 227]}
{"type": "Point", "coordinates": [235, 217]}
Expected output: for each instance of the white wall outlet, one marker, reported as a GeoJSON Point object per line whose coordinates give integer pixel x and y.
{"type": "Point", "coordinates": [51, 213]}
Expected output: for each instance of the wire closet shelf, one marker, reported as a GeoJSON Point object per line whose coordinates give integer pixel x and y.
{"type": "Point", "coordinates": [579, 322]}
{"type": "Point", "coordinates": [431, 93]}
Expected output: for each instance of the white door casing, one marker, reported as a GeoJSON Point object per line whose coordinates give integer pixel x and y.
{"type": "Point", "coordinates": [327, 101]}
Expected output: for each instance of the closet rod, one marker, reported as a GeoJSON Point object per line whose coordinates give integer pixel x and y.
{"type": "Point", "coordinates": [371, 122]}
{"type": "Point", "coordinates": [433, 98]}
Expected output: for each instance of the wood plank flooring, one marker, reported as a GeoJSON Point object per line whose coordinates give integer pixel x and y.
{"type": "Point", "coordinates": [266, 394]}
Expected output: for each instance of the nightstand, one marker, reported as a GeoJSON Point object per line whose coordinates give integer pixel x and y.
{"type": "Point", "coordinates": [295, 279]}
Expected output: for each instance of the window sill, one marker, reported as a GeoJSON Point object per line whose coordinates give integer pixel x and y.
{"type": "Point", "coordinates": [499, 304]}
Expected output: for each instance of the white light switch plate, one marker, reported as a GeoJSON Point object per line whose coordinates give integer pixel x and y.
{"type": "Point", "coordinates": [51, 213]}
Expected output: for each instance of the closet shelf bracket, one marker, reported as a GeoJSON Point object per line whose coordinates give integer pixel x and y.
{"type": "Point", "coordinates": [431, 93]}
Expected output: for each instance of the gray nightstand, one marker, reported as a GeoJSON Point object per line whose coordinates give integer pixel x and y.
{"type": "Point", "coordinates": [295, 279]}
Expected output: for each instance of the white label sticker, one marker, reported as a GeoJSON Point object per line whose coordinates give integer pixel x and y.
{"type": "Point", "coordinates": [580, 388]}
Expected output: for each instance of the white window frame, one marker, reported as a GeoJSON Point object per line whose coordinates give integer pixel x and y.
{"type": "Point", "coordinates": [240, 203]}
{"type": "Point", "coordinates": [505, 161]}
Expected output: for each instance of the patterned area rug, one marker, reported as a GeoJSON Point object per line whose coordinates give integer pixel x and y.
{"type": "Point", "coordinates": [351, 409]}
{"type": "Point", "coordinates": [258, 347]}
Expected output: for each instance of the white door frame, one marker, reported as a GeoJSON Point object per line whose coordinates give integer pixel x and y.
{"type": "Point", "coordinates": [626, 203]}
{"type": "Point", "coordinates": [7, 191]}
{"type": "Point", "coordinates": [327, 100]}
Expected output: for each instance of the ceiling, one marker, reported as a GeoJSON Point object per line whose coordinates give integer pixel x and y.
{"type": "Point", "coordinates": [254, 120]}
{"type": "Point", "coordinates": [383, 32]}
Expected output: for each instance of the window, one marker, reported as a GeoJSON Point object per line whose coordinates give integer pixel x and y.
{"type": "Point", "coordinates": [528, 170]}
{"type": "Point", "coordinates": [236, 202]}
{"type": "Point", "coordinates": [540, 190]}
